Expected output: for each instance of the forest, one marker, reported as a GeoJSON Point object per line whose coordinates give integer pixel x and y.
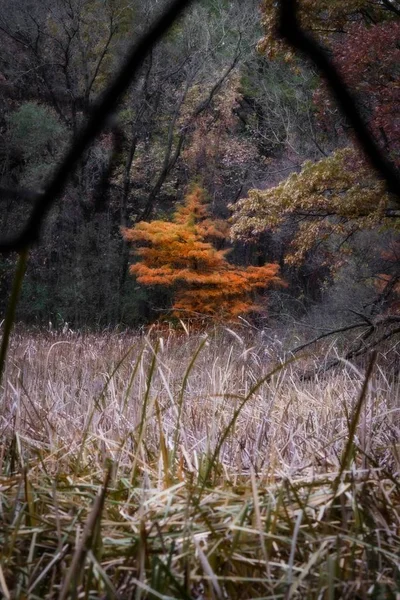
{"type": "Point", "coordinates": [219, 104]}
{"type": "Point", "coordinates": [199, 299]}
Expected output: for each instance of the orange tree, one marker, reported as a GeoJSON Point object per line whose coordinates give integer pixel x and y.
{"type": "Point", "coordinates": [180, 255]}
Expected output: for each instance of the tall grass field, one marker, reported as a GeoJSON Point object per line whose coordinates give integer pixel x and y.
{"type": "Point", "coordinates": [195, 467]}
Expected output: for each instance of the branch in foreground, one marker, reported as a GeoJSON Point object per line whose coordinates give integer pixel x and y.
{"type": "Point", "coordinates": [98, 118]}
{"type": "Point", "coordinates": [327, 334]}
{"type": "Point", "coordinates": [289, 29]}
{"type": "Point", "coordinates": [359, 347]}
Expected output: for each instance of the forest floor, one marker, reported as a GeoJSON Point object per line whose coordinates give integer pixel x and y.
{"type": "Point", "coordinates": [195, 467]}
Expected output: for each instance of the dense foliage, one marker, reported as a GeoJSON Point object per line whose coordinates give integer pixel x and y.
{"type": "Point", "coordinates": [179, 254]}
{"type": "Point", "coordinates": [331, 201]}
{"type": "Point", "coordinates": [56, 57]}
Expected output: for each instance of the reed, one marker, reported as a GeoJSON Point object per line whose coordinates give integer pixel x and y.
{"type": "Point", "coordinates": [136, 466]}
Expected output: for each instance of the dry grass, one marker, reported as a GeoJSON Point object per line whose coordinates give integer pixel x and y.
{"type": "Point", "coordinates": [174, 468]}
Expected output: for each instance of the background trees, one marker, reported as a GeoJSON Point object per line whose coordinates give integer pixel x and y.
{"type": "Point", "coordinates": [56, 58]}
{"type": "Point", "coordinates": [337, 203]}
{"type": "Point", "coordinates": [206, 105]}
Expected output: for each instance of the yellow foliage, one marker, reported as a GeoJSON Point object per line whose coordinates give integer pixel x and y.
{"type": "Point", "coordinates": [338, 195]}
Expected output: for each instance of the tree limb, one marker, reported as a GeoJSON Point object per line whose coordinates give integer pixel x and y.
{"type": "Point", "coordinates": [356, 349]}
{"type": "Point", "coordinates": [289, 29]}
{"type": "Point", "coordinates": [97, 120]}
{"type": "Point", "coordinates": [327, 334]}
{"type": "Point", "coordinates": [170, 161]}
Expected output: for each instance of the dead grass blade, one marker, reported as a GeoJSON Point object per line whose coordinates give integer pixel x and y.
{"type": "Point", "coordinates": [84, 543]}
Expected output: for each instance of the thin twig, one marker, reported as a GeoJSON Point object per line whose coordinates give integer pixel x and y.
{"type": "Point", "coordinates": [98, 118]}
{"type": "Point", "coordinates": [289, 29]}
{"type": "Point", "coordinates": [85, 542]}
{"type": "Point", "coordinates": [327, 334]}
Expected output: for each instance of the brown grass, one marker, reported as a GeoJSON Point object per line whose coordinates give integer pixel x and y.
{"type": "Point", "coordinates": [136, 467]}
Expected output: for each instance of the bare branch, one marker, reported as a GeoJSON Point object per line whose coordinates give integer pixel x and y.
{"type": "Point", "coordinates": [98, 118]}
{"type": "Point", "coordinates": [170, 161]}
{"type": "Point", "coordinates": [289, 29]}
{"type": "Point", "coordinates": [327, 334]}
{"type": "Point", "coordinates": [380, 328]}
